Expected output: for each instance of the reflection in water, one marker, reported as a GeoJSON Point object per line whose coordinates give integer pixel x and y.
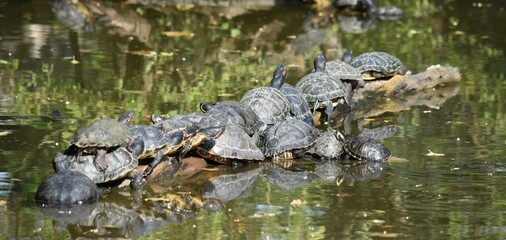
{"type": "Point", "coordinates": [226, 187]}
{"type": "Point", "coordinates": [102, 219]}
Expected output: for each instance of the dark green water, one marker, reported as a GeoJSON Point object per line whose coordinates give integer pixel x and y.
{"type": "Point", "coordinates": [128, 61]}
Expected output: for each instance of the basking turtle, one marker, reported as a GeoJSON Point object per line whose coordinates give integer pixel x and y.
{"type": "Point", "coordinates": [298, 104]}
{"type": "Point", "coordinates": [378, 65]}
{"type": "Point", "coordinates": [343, 70]}
{"type": "Point", "coordinates": [122, 163]}
{"type": "Point", "coordinates": [189, 123]}
{"type": "Point", "coordinates": [365, 148]}
{"type": "Point", "coordinates": [327, 146]}
{"type": "Point", "coordinates": [67, 187]}
{"type": "Point", "coordinates": [269, 103]}
{"type": "Point", "coordinates": [101, 135]}
{"type": "Point", "coordinates": [289, 139]}
{"type": "Point", "coordinates": [151, 141]}
{"type": "Point", "coordinates": [233, 143]}
{"type": "Point", "coordinates": [233, 113]}
{"type": "Point", "coordinates": [320, 89]}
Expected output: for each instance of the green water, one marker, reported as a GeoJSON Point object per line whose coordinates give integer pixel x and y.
{"type": "Point", "coordinates": [129, 60]}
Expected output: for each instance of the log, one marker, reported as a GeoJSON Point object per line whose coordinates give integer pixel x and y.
{"type": "Point", "coordinates": [432, 88]}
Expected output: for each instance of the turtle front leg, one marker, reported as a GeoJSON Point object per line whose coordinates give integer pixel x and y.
{"type": "Point", "coordinates": [137, 178]}
{"type": "Point", "coordinates": [348, 94]}
{"type": "Point", "coordinates": [100, 162]}
{"type": "Point", "coordinates": [157, 160]}
{"type": "Point", "coordinates": [328, 111]}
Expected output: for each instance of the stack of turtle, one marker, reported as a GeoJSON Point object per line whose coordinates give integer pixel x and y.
{"type": "Point", "coordinates": [274, 121]}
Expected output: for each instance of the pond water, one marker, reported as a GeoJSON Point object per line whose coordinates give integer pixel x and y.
{"type": "Point", "coordinates": [59, 73]}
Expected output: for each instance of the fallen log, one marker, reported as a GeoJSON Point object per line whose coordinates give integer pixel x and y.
{"type": "Point", "coordinates": [432, 88]}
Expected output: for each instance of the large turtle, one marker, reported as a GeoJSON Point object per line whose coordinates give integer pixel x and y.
{"type": "Point", "coordinates": [233, 113]}
{"type": "Point", "coordinates": [269, 103]}
{"type": "Point", "coordinates": [320, 89]}
{"type": "Point", "coordinates": [327, 146]}
{"type": "Point", "coordinates": [289, 139]}
{"type": "Point", "coordinates": [67, 187]}
{"type": "Point", "coordinates": [365, 148]}
{"type": "Point", "coordinates": [233, 143]}
{"type": "Point", "coordinates": [378, 65]}
{"type": "Point", "coordinates": [122, 163]}
{"type": "Point", "coordinates": [99, 136]}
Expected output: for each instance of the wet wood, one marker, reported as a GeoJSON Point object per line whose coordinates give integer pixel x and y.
{"type": "Point", "coordinates": [431, 88]}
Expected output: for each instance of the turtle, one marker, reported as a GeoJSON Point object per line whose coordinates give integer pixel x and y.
{"type": "Point", "coordinates": [122, 163]}
{"type": "Point", "coordinates": [298, 104]}
{"type": "Point", "coordinates": [289, 139]}
{"type": "Point", "coordinates": [189, 123]}
{"type": "Point", "coordinates": [67, 188]}
{"type": "Point", "coordinates": [365, 148]}
{"type": "Point", "coordinates": [378, 65]}
{"type": "Point", "coordinates": [269, 103]}
{"type": "Point", "coordinates": [327, 146]}
{"type": "Point", "coordinates": [233, 143]}
{"type": "Point", "coordinates": [349, 75]}
{"type": "Point", "coordinates": [320, 89]}
{"type": "Point", "coordinates": [151, 141]}
{"type": "Point", "coordinates": [233, 113]}
{"type": "Point", "coordinates": [102, 134]}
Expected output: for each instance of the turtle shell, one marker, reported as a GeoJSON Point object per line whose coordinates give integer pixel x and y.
{"type": "Point", "coordinates": [269, 103]}
{"type": "Point", "coordinates": [155, 139]}
{"type": "Point", "coordinates": [319, 87]}
{"type": "Point", "coordinates": [298, 104]}
{"type": "Point", "coordinates": [121, 162]}
{"type": "Point", "coordinates": [344, 71]}
{"type": "Point", "coordinates": [187, 123]}
{"type": "Point", "coordinates": [233, 143]}
{"type": "Point", "coordinates": [366, 149]}
{"type": "Point", "coordinates": [67, 187]}
{"type": "Point", "coordinates": [105, 133]}
{"type": "Point", "coordinates": [327, 146]}
{"type": "Point", "coordinates": [287, 136]}
{"type": "Point", "coordinates": [233, 113]}
{"type": "Point", "coordinates": [374, 65]}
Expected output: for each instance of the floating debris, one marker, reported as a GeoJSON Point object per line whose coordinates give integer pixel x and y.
{"type": "Point", "coordinates": [433, 154]}
{"type": "Point", "coordinates": [179, 34]}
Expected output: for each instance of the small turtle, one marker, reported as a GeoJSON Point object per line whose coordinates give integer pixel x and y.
{"type": "Point", "coordinates": [378, 65]}
{"type": "Point", "coordinates": [269, 103]}
{"type": "Point", "coordinates": [289, 139]}
{"type": "Point", "coordinates": [67, 187]}
{"type": "Point", "coordinates": [233, 113]}
{"type": "Point", "coordinates": [320, 89]}
{"type": "Point", "coordinates": [233, 143]}
{"type": "Point", "coordinates": [343, 70]}
{"type": "Point", "coordinates": [122, 163]}
{"type": "Point", "coordinates": [327, 146]}
{"type": "Point", "coordinates": [365, 148]}
{"type": "Point", "coordinates": [101, 135]}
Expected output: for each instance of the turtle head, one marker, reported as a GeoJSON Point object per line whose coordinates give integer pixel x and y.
{"type": "Point", "coordinates": [126, 118]}
{"type": "Point", "coordinates": [278, 78]}
{"type": "Point", "coordinates": [347, 56]}
{"type": "Point", "coordinates": [204, 107]}
{"type": "Point", "coordinates": [319, 63]}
